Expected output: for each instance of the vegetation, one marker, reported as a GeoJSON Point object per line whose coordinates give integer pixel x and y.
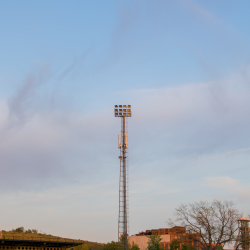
{"type": "Point", "coordinates": [154, 242]}
{"type": "Point", "coordinates": [90, 246]}
{"type": "Point", "coordinates": [21, 230]}
{"type": "Point", "coordinates": [211, 224]}
{"type": "Point", "coordinates": [134, 247]}
{"type": "Point", "coordinates": [113, 245]}
{"type": "Point", "coordinates": [186, 246]}
{"type": "Point", "coordinates": [175, 245]}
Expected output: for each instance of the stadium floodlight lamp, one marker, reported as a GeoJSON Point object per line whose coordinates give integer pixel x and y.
{"type": "Point", "coordinates": [122, 111]}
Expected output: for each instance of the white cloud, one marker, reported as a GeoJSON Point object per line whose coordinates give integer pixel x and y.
{"type": "Point", "coordinates": [168, 124]}
{"type": "Point", "coordinates": [239, 191]}
{"type": "Point", "coordinates": [221, 181]}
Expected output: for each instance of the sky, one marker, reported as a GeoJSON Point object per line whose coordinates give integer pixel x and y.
{"type": "Point", "coordinates": [183, 66]}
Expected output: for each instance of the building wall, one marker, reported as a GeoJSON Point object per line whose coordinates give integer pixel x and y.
{"type": "Point", "coordinates": [167, 235]}
{"type": "Point", "coordinates": [142, 240]}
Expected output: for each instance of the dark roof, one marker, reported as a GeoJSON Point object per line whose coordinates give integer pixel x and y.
{"type": "Point", "coordinates": [39, 242]}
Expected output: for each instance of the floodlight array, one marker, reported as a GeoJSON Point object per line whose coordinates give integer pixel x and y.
{"type": "Point", "coordinates": [123, 111]}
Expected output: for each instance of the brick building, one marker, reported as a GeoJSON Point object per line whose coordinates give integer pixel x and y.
{"type": "Point", "coordinates": [167, 235]}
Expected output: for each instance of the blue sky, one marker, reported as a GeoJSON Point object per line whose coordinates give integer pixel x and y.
{"type": "Point", "coordinates": [183, 65]}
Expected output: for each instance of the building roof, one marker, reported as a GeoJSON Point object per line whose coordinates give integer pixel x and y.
{"type": "Point", "coordinates": [243, 218]}
{"type": "Point", "coordinates": [39, 242]}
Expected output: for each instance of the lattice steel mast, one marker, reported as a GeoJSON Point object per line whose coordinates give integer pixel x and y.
{"type": "Point", "coordinates": [123, 111]}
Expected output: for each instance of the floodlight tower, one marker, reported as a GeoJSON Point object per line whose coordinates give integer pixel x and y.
{"type": "Point", "coordinates": [243, 233]}
{"type": "Point", "coordinates": [123, 111]}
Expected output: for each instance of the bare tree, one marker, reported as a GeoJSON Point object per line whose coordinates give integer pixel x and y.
{"type": "Point", "coordinates": [210, 224]}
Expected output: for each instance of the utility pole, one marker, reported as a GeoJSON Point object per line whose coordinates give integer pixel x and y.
{"type": "Point", "coordinates": [123, 111]}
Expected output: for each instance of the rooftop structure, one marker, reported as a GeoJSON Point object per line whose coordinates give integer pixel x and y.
{"type": "Point", "coordinates": [162, 231]}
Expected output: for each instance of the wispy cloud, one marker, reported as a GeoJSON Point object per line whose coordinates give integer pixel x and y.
{"type": "Point", "coordinates": [230, 187]}
{"type": "Point", "coordinates": [200, 12]}
{"type": "Point", "coordinates": [23, 103]}
{"type": "Point", "coordinates": [221, 181]}
{"type": "Point", "coordinates": [177, 121]}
